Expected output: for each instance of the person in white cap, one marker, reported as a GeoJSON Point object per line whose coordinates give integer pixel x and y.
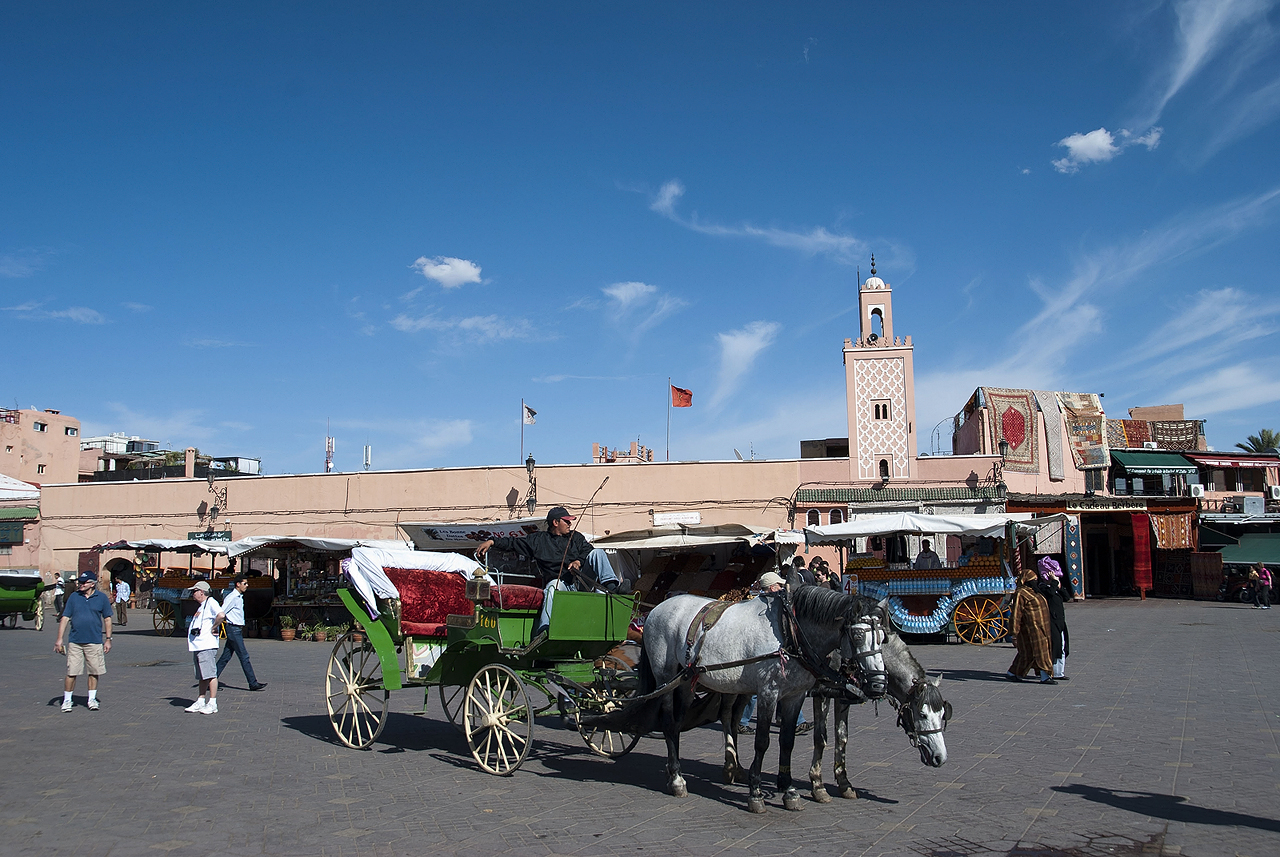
{"type": "Point", "coordinates": [770, 581]}
{"type": "Point", "coordinates": [202, 642]}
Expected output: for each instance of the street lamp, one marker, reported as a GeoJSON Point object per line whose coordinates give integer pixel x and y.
{"type": "Point", "coordinates": [532, 502]}
{"type": "Point", "coordinates": [1001, 487]}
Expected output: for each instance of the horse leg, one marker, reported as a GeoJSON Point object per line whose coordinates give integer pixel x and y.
{"type": "Point", "coordinates": [789, 711]}
{"type": "Point", "coordinates": [821, 707]}
{"type": "Point", "coordinates": [730, 713]}
{"type": "Point", "coordinates": [842, 744]}
{"type": "Point", "coordinates": [765, 704]}
{"type": "Point", "coordinates": [673, 708]}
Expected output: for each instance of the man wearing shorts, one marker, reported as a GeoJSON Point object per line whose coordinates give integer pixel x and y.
{"type": "Point", "coordinates": [202, 642]}
{"type": "Point", "coordinates": [87, 614]}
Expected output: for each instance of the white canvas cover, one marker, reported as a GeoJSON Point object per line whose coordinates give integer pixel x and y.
{"type": "Point", "coordinates": [170, 546]}
{"type": "Point", "coordinates": [16, 489]}
{"type": "Point", "coordinates": [992, 526]}
{"type": "Point", "coordinates": [465, 535]}
{"type": "Point", "coordinates": [259, 543]}
{"type": "Point", "coordinates": [365, 570]}
{"type": "Point", "coordinates": [679, 536]}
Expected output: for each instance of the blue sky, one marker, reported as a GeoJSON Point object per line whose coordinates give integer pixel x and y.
{"type": "Point", "coordinates": [227, 226]}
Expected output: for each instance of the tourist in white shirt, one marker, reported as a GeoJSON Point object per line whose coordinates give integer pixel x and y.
{"type": "Point", "coordinates": [233, 614]}
{"type": "Point", "coordinates": [122, 601]}
{"type": "Point", "coordinates": [202, 642]}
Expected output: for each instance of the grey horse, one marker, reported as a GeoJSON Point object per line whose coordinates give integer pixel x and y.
{"type": "Point", "coordinates": [922, 714]}
{"type": "Point", "coordinates": [744, 653]}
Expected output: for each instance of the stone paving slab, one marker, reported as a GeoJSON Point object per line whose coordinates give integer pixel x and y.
{"type": "Point", "coordinates": [1164, 742]}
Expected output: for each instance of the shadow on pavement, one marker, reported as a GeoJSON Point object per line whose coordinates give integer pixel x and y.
{"type": "Point", "coordinates": [1170, 807]}
{"type": "Point", "coordinates": [972, 675]}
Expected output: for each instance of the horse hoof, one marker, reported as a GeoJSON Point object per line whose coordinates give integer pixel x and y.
{"type": "Point", "coordinates": [820, 795]}
{"type": "Point", "coordinates": [849, 793]}
{"type": "Point", "coordinates": [791, 801]}
{"type": "Point", "coordinates": [678, 790]}
{"type": "Point", "coordinates": [755, 804]}
{"type": "Point", "coordinates": [731, 776]}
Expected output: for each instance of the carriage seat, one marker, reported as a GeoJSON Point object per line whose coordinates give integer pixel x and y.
{"type": "Point", "coordinates": [514, 596]}
{"type": "Point", "coordinates": [427, 598]}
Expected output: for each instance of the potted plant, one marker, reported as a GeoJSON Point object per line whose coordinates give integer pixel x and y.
{"type": "Point", "coordinates": [286, 628]}
{"type": "Point", "coordinates": [320, 633]}
{"type": "Point", "coordinates": [357, 633]}
{"type": "Point", "coordinates": [305, 632]}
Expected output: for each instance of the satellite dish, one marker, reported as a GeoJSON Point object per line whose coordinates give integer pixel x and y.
{"type": "Point", "coordinates": [739, 454]}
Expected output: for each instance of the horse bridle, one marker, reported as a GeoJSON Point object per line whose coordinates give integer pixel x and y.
{"type": "Point", "coordinates": [908, 721]}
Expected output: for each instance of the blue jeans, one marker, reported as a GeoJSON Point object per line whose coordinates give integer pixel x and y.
{"type": "Point", "coordinates": [235, 643]}
{"type": "Point", "coordinates": [598, 561]}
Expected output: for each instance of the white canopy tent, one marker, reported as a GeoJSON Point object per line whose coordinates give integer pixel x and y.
{"type": "Point", "coordinates": [170, 546]}
{"type": "Point", "coordinates": [679, 536]}
{"type": "Point", "coordinates": [992, 526]}
{"type": "Point", "coordinates": [276, 546]}
{"type": "Point", "coordinates": [16, 489]}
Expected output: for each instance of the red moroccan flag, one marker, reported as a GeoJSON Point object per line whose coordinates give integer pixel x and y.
{"type": "Point", "coordinates": [680, 397]}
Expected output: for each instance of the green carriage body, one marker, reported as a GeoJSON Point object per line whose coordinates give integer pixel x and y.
{"type": "Point", "coordinates": [20, 592]}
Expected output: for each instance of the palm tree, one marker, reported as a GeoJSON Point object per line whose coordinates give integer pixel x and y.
{"type": "Point", "coordinates": [1264, 441]}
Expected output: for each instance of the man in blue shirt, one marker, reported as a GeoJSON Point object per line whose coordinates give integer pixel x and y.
{"type": "Point", "coordinates": [233, 616]}
{"type": "Point", "coordinates": [88, 614]}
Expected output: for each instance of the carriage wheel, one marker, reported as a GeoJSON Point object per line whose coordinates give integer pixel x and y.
{"type": "Point", "coordinates": [497, 720]}
{"type": "Point", "coordinates": [353, 689]}
{"type": "Point", "coordinates": [979, 620]}
{"type": "Point", "coordinates": [451, 699]}
{"type": "Point", "coordinates": [603, 742]}
{"type": "Point", "coordinates": [40, 617]}
{"type": "Point", "coordinates": [163, 618]}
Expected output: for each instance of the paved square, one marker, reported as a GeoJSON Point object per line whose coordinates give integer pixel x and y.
{"type": "Point", "coordinates": [1164, 742]}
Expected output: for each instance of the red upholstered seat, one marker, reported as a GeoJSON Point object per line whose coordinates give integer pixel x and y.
{"type": "Point", "coordinates": [513, 596]}
{"type": "Point", "coordinates": [428, 598]}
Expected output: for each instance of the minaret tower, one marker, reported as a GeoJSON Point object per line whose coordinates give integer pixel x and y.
{"type": "Point", "coordinates": [879, 374]}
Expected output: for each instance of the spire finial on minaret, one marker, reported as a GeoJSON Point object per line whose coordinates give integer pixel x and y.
{"type": "Point", "coordinates": [873, 264]}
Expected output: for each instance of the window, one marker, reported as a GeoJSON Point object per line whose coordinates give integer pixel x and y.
{"type": "Point", "coordinates": [880, 410]}
{"type": "Point", "coordinates": [8, 449]}
{"type": "Point", "coordinates": [39, 468]}
{"type": "Point", "coordinates": [40, 427]}
{"type": "Point", "coordinates": [837, 516]}
{"type": "Point", "coordinates": [6, 550]}
{"type": "Point", "coordinates": [1095, 480]}
{"type": "Point", "coordinates": [884, 468]}
{"type": "Point", "coordinates": [813, 519]}
{"type": "Point", "coordinates": [1122, 486]}
{"type": "Point", "coordinates": [72, 431]}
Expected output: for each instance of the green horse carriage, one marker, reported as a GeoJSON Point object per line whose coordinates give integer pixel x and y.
{"type": "Point", "coordinates": [420, 624]}
{"type": "Point", "coordinates": [20, 590]}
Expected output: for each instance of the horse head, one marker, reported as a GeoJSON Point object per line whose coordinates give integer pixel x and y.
{"type": "Point", "coordinates": [923, 715]}
{"type": "Point", "coordinates": [862, 651]}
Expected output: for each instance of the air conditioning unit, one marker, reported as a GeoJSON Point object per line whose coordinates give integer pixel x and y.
{"type": "Point", "coordinates": [1273, 491]}
{"type": "Point", "coordinates": [1197, 490]}
{"type": "Point", "coordinates": [1150, 444]}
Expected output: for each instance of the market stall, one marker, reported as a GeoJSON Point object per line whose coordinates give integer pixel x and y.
{"type": "Point", "coordinates": [169, 586]}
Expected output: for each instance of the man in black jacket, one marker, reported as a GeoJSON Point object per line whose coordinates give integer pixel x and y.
{"type": "Point", "coordinates": [565, 559]}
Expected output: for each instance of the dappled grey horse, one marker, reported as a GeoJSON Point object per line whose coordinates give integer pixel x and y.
{"type": "Point", "coordinates": [922, 714]}
{"type": "Point", "coordinates": [754, 648]}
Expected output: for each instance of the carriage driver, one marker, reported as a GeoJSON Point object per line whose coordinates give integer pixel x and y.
{"type": "Point", "coordinates": [565, 559]}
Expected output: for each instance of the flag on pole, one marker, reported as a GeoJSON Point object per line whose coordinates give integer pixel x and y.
{"type": "Point", "coordinates": [529, 414]}
{"type": "Point", "coordinates": [680, 397]}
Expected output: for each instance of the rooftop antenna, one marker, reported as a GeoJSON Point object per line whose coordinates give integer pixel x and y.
{"type": "Point", "coordinates": [738, 454]}
{"type": "Point", "coordinates": [328, 448]}
{"type": "Point", "coordinates": [368, 456]}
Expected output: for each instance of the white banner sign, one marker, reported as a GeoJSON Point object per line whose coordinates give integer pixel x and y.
{"type": "Point", "coordinates": [666, 519]}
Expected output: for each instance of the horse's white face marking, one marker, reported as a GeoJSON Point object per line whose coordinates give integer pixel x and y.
{"type": "Point", "coordinates": [933, 748]}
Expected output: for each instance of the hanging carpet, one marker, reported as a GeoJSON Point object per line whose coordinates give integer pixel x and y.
{"type": "Point", "coordinates": [1049, 538]}
{"type": "Point", "coordinates": [1115, 435]}
{"type": "Point", "coordinates": [1137, 432]}
{"type": "Point", "coordinates": [1086, 430]}
{"type": "Point", "coordinates": [1176, 434]}
{"type": "Point", "coordinates": [1172, 530]}
{"type": "Point", "coordinates": [1075, 567]}
{"type": "Point", "coordinates": [1052, 414]}
{"type": "Point", "coordinates": [1141, 551]}
{"type": "Point", "coordinates": [1013, 418]}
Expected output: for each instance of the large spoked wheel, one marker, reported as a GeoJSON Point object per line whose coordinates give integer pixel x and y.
{"type": "Point", "coordinates": [451, 699]}
{"type": "Point", "coordinates": [163, 618]}
{"type": "Point", "coordinates": [979, 620]}
{"type": "Point", "coordinates": [353, 689]}
{"type": "Point", "coordinates": [603, 742]}
{"type": "Point", "coordinates": [497, 720]}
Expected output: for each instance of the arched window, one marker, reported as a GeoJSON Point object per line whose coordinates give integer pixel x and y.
{"type": "Point", "coordinates": [837, 516]}
{"type": "Point", "coordinates": [884, 468]}
{"type": "Point", "coordinates": [813, 519]}
{"type": "Point", "coordinates": [877, 322]}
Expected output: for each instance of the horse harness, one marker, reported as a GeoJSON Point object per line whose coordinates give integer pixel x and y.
{"type": "Point", "coordinates": [907, 715]}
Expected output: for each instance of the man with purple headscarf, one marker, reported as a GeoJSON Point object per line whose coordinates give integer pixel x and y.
{"type": "Point", "coordinates": [1056, 588]}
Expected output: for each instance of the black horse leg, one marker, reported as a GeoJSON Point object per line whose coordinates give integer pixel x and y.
{"type": "Point", "coordinates": [765, 704]}
{"type": "Point", "coordinates": [730, 714]}
{"type": "Point", "coordinates": [821, 708]}
{"type": "Point", "coordinates": [789, 713]}
{"type": "Point", "coordinates": [674, 706]}
{"type": "Point", "coordinates": [842, 743]}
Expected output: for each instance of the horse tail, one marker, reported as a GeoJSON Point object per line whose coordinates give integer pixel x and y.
{"type": "Point", "coordinates": [638, 717]}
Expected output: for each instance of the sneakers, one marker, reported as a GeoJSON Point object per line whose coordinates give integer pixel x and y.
{"type": "Point", "coordinates": [196, 708]}
{"type": "Point", "coordinates": [93, 705]}
{"type": "Point", "coordinates": [211, 708]}
{"type": "Point", "coordinates": [746, 729]}
{"type": "Point", "coordinates": [66, 706]}
{"type": "Point", "coordinates": [262, 685]}
{"type": "Point", "coordinates": [803, 728]}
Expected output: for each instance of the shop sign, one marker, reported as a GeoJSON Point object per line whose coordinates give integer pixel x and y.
{"type": "Point", "coordinates": [210, 536]}
{"type": "Point", "coordinates": [10, 532]}
{"type": "Point", "coordinates": [666, 519]}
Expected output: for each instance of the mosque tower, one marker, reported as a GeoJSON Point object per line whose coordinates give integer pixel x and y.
{"type": "Point", "coordinates": [879, 375]}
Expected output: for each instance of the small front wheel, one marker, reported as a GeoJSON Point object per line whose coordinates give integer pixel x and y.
{"type": "Point", "coordinates": [163, 618]}
{"type": "Point", "coordinates": [354, 693]}
{"type": "Point", "coordinates": [497, 720]}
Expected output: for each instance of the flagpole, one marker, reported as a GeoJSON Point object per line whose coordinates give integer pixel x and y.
{"type": "Point", "coordinates": [522, 431]}
{"type": "Point", "coordinates": [668, 418]}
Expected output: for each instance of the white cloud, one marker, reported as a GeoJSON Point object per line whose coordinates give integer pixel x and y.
{"type": "Point", "coordinates": [78, 314]}
{"type": "Point", "coordinates": [1232, 388]}
{"type": "Point", "coordinates": [627, 295]}
{"type": "Point", "coordinates": [640, 306]}
{"type": "Point", "coordinates": [738, 352]}
{"type": "Point", "coordinates": [448, 271]}
{"type": "Point", "coordinates": [408, 443]}
{"type": "Point", "coordinates": [21, 264]}
{"type": "Point", "coordinates": [819, 240]}
{"type": "Point", "coordinates": [481, 328]}
{"type": "Point", "coordinates": [1100, 146]}
{"type": "Point", "coordinates": [135, 307]}
{"type": "Point", "coordinates": [1205, 27]}
{"type": "Point", "coordinates": [215, 343]}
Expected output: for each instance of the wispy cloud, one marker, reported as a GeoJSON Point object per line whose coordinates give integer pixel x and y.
{"type": "Point", "coordinates": [738, 352]}
{"type": "Point", "coordinates": [408, 443]}
{"type": "Point", "coordinates": [448, 271]}
{"type": "Point", "coordinates": [78, 314]}
{"type": "Point", "coordinates": [215, 343]}
{"type": "Point", "coordinates": [816, 241]}
{"type": "Point", "coordinates": [22, 263]}
{"type": "Point", "coordinates": [808, 43]}
{"type": "Point", "coordinates": [640, 306]}
{"type": "Point", "coordinates": [1231, 388]}
{"type": "Point", "coordinates": [173, 429]}
{"type": "Point", "coordinates": [129, 305]}
{"type": "Point", "coordinates": [481, 328]}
